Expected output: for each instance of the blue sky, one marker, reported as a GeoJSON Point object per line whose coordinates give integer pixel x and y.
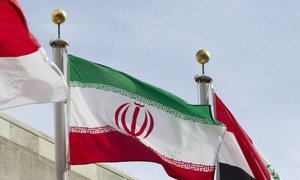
{"type": "Point", "coordinates": [255, 60]}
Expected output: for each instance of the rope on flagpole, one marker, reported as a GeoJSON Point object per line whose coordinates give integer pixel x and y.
{"type": "Point", "coordinates": [68, 109]}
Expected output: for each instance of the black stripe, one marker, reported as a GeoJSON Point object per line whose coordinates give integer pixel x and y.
{"type": "Point", "coordinates": [228, 172]}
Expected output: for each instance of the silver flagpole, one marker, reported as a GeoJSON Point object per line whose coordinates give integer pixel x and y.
{"type": "Point", "coordinates": [58, 54]}
{"type": "Point", "coordinates": [203, 81]}
{"type": "Point", "coordinates": [203, 88]}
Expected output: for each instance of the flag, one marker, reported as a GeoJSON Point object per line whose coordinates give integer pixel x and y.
{"type": "Point", "coordinates": [115, 118]}
{"type": "Point", "coordinates": [239, 158]}
{"type": "Point", "coordinates": [26, 75]}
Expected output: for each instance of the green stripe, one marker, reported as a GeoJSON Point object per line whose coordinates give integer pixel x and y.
{"type": "Point", "coordinates": [87, 74]}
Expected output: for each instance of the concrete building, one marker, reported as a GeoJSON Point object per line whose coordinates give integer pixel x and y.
{"type": "Point", "coordinates": [28, 154]}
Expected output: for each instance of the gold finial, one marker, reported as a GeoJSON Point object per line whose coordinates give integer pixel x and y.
{"type": "Point", "coordinates": [203, 56]}
{"type": "Point", "coordinates": [59, 16]}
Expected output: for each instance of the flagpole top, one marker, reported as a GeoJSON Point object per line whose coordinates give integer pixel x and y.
{"type": "Point", "coordinates": [202, 56]}
{"type": "Point", "coordinates": [59, 16]}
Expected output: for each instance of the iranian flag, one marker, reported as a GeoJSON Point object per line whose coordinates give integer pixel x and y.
{"type": "Point", "coordinates": [239, 158]}
{"type": "Point", "coordinates": [26, 75]}
{"type": "Point", "coordinates": [115, 117]}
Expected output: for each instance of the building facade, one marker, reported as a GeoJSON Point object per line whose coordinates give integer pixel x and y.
{"type": "Point", "coordinates": [28, 154]}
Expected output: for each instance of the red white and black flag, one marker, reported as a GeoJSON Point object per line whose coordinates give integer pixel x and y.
{"type": "Point", "coordinates": [239, 158]}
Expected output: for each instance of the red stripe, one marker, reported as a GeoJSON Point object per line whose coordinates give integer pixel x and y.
{"type": "Point", "coordinates": [254, 161]}
{"type": "Point", "coordinates": [117, 114]}
{"type": "Point", "coordinates": [134, 119]}
{"type": "Point", "coordinates": [151, 123]}
{"type": "Point", "coordinates": [142, 129]}
{"type": "Point", "coordinates": [15, 38]}
{"type": "Point", "coordinates": [114, 146]}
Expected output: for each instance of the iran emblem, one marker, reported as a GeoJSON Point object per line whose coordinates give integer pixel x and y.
{"type": "Point", "coordinates": [141, 116]}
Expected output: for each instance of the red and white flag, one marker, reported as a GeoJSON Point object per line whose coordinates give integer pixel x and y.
{"type": "Point", "coordinates": [239, 158]}
{"type": "Point", "coordinates": [26, 75]}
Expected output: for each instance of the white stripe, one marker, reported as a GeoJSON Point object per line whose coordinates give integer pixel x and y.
{"type": "Point", "coordinates": [30, 79]}
{"type": "Point", "coordinates": [175, 138]}
{"type": "Point", "coordinates": [231, 153]}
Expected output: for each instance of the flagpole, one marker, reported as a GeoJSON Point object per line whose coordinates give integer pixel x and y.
{"type": "Point", "coordinates": [203, 81]}
{"type": "Point", "coordinates": [58, 54]}
{"type": "Point", "coordinates": [203, 84]}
